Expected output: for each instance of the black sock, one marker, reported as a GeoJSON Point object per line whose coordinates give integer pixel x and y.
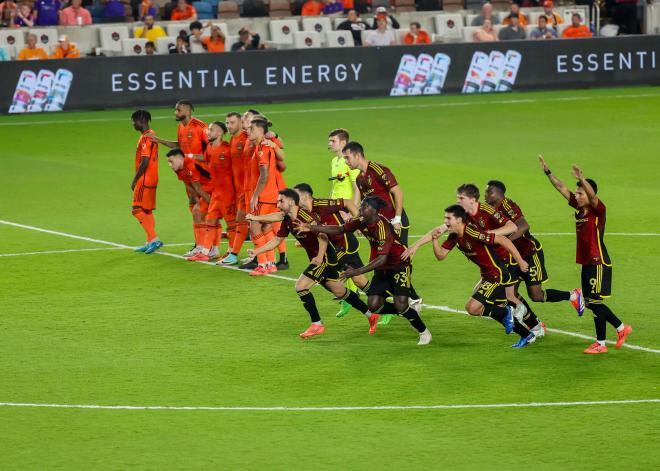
{"type": "Point", "coordinates": [413, 293]}
{"type": "Point", "coordinates": [388, 308]}
{"type": "Point", "coordinates": [414, 319]}
{"type": "Point", "coordinates": [600, 321]}
{"type": "Point", "coordinates": [283, 258]}
{"type": "Point", "coordinates": [555, 296]}
{"type": "Point", "coordinates": [520, 329]}
{"type": "Point", "coordinates": [365, 288]}
{"type": "Point", "coordinates": [606, 313]}
{"type": "Point", "coordinates": [495, 312]}
{"type": "Point", "coordinates": [354, 300]}
{"type": "Point", "coordinates": [307, 299]}
{"type": "Point", "coordinates": [530, 318]}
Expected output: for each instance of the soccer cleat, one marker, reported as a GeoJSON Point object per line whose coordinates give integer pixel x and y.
{"type": "Point", "coordinates": [622, 336]}
{"type": "Point", "coordinates": [373, 323]}
{"type": "Point", "coordinates": [385, 319]}
{"type": "Point", "coordinates": [416, 304]}
{"type": "Point", "coordinates": [312, 330]}
{"type": "Point", "coordinates": [249, 265]}
{"type": "Point", "coordinates": [259, 271]}
{"type": "Point", "coordinates": [192, 251]}
{"type": "Point", "coordinates": [344, 308]}
{"type": "Point", "coordinates": [153, 246]}
{"type": "Point", "coordinates": [524, 341]}
{"type": "Point", "coordinates": [595, 348]}
{"type": "Point", "coordinates": [271, 269]}
{"type": "Point", "coordinates": [507, 322]}
{"type": "Point", "coordinates": [199, 257]}
{"type": "Point", "coordinates": [214, 253]}
{"type": "Point", "coordinates": [230, 259]}
{"type": "Point", "coordinates": [519, 312]}
{"type": "Point", "coordinates": [425, 337]}
{"type": "Point", "coordinates": [282, 265]}
{"type": "Point", "coordinates": [578, 302]}
{"type": "Point", "coordinates": [539, 330]}
{"type": "Point", "coordinates": [143, 248]}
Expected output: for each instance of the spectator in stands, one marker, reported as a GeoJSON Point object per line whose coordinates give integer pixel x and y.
{"type": "Point", "coordinates": [115, 11]}
{"type": "Point", "coordinates": [65, 49]}
{"type": "Point", "coordinates": [150, 48]}
{"type": "Point", "coordinates": [485, 34]}
{"type": "Point", "coordinates": [24, 16]}
{"type": "Point", "coordinates": [150, 31]}
{"type": "Point", "coordinates": [195, 35]}
{"type": "Point", "coordinates": [75, 14]}
{"type": "Point", "coordinates": [183, 11]}
{"type": "Point", "coordinates": [312, 8]}
{"type": "Point", "coordinates": [576, 29]}
{"type": "Point", "coordinates": [513, 30]}
{"type": "Point", "coordinates": [625, 16]}
{"type": "Point", "coordinates": [355, 25]}
{"type": "Point", "coordinates": [333, 6]}
{"type": "Point", "coordinates": [382, 35]}
{"type": "Point", "coordinates": [542, 31]}
{"type": "Point", "coordinates": [254, 9]}
{"type": "Point", "coordinates": [554, 19]}
{"type": "Point", "coordinates": [247, 41]}
{"type": "Point", "coordinates": [8, 12]}
{"type": "Point", "coordinates": [417, 35]}
{"type": "Point", "coordinates": [381, 13]}
{"type": "Point", "coordinates": [31, 51]}
{"type": "Point", "coordinates": [216, 41]}
{"type": "Point", "coordinates": [180, 47]}
{"type": "Point", "coordinates": [148, 8]}
{"type": "Point", "coordinates": [515, 11]}
{"type": "Point", "coordinates": [48, 12]}
{"type": "Point", "coordinates": [486, 14]}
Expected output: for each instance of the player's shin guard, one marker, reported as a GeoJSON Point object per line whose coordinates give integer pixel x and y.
{"type": "Point", "coordinates": [308, 301]}
{"type": "Point", "coordinates": [270, 255]}
{"type": "Point", "coordinates": [200, 230]}
{"type": "Point", "coordinates": [210, 235]}
{"type": "Point", "coordinates": [241, 235]}
{"type": "Point", "coordinates": [555, 296]}
{"type": "Point", "coordinates": [414, 319]}
{"type": "Point", "coordinates": [354, 300]}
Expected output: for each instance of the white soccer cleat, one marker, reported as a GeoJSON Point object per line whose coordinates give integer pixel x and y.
{"type": "Point", "coordinates": [214, 253]}
{"type": "Point", "coordinates": [539, 330]}
{"type": "Point", "coordinates": [192, 251]}
{"type": "Point", "coordinates": [519, 312]}
{"type": "Point", "coordinates": [425, 337]}
{"type": "Point", "coordinates": [416, 304]}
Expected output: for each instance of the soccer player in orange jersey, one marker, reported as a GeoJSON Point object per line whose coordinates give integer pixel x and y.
{"type": "Point", "coordinates": [145, 181]}
{"type": "Point", "coordinates": [223, 198]}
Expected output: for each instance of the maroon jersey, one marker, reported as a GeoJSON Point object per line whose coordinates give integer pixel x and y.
{"type": "Point", "coordinates": [383, 241]}
{"type": "Point", "coordinates": [526, 244]}
{"type": "Point", "coordinates": [590, 228]}
{"type": "Point", "coordinates": [479, 247]}
{"type": "Point", "coordinates": [308, 240]}
{"type": "Point", "coordinates": [378, 180]}
{"type": "Point", "coordinates": [488, 218]}
{"type": "Point", "coordinates": [328, 212]}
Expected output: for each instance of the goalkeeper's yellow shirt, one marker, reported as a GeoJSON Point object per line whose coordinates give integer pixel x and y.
{"type": "Point", "coordinates": [343, 188]}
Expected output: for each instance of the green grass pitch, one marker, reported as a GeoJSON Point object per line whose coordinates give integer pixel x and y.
{"type": "Point", "coordinates": [111, 327]}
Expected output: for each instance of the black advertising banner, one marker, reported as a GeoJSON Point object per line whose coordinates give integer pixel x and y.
{"type": "Point", "coordinates": [279, 75]}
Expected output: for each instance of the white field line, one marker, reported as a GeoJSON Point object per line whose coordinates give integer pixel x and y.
{"type": "Point", "coordinates": [359, 108]}
{"type": "Point", "coordinates": [287, 278]}
{"type": "Point", "coordinates": [337, 408]}
{"type": "Point", "coordinates": [95, 249]}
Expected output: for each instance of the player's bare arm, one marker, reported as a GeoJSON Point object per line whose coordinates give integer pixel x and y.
{"type": "Point", "coordinates": [588, 189]}
{"type": "Point", "coordinates": [306, 227]}
{"type": "Point", "coordinates": [199, 191]}
{"type": "Point", "coordinates": [507, 229]}
{"type": "Point", "coordinates": [356, 194]}
{"type": "Point", "coordinates": [166, 143]}
{"type": "Point", "coordinates": [373, 265]}
{"type": "Point", "coordinates": [508, 245]}
{"type": "Point", "coordinates": [144, 163]}
{"type": "Point", "coordinates": [268, 218]}
{"type": "Point", "coordinates": [425, 239]}
{"type": "Point", "coordinates": [397, 195]}
{"type": "Point", "coordinates": [522, 227]}
{"type": "Point", "coordinates": [270, 245]}
{"type": "Point", "coordinates": [351, 207]}
{"type": "Point", "coordinates": [438, 250]}
{"type": "Point", "coordinates": [323, 248]}
{"type": "Point", "coordinates": [261, 184]}
{"type": "Point", "coordinates": [556, 182]}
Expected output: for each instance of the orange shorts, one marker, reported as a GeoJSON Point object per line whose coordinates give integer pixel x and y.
{"type": "Point", "coordinates": [144, 197]}
{"type": "Point", "coordinates": [202, 205]}
{"type": "Point", "coordinates": [266, 208]}
{"type": "Point", "coordinates": [221, 209]}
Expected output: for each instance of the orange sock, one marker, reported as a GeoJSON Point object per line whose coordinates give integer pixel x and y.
{"type": "Point", "coordinates": [231, 233]}
{"type": "Point", "coordinates": [239, 238]}
{"type": "Point", "coordinates": [259, 241]}
{"type": "Point", "coordinates": [210, 235]}
{"type": "Point", "coordinates": [270, 255]}
{"type": "Point", "coordinates": [282, 247]}
{"type": "Point", "coordinates": [199, 229]}
{"type": "Point", "coordinates": [148, 228]}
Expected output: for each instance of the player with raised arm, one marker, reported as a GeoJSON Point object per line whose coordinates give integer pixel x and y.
{"type": "Point", "coordinates": [145, 181]}
{"type": "Point", "coordinates": [392, 274]}
{"type": "Point", "coordinates": [322, 258]}
{"type": "Point", "coordinates": [591, 253]}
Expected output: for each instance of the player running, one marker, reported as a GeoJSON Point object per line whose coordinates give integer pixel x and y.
{"type": "Point", "coordinates": [591, 253]}
{"type": "Point", "coordinates": [323, 262]}
{"type": "Point", "coordinates": [392, 274]}
{"type": "Point", "coordinates": [145, 181]}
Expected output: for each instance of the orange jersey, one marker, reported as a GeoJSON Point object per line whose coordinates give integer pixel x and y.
{"type": "Point", "coordinates": [237, 143]}
{"type": "Point", "coordinates": [264, 156]}
{"type": "Point", "coordinates": [281, 184]}
{"type": "Point", "coordinates": [149, 149]}
{"type": "Point", "coordinates": [248, 166]}
{"type": "Point", "coordinates": [219, 163]}
{"type": "Point", "coordinates": [196, 171]}
{"type": "Point", "coordinates": [192, 137]}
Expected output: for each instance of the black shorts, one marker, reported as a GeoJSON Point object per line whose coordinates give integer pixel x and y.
{"type": "Point", "coordinates": [322, 273]}
{"type": "Point", "coordinates": [405, 227]}
{"type": "Point", "coordinates": [392, 282]}
{"type": "Point", "coordinates": [350, 257]}
{"type": "Point", "coordinates": [536, 274]}
{"type": "Point", "coordinates": [596, 281]}
{"type": "Point", "coordinates": [490, 292]}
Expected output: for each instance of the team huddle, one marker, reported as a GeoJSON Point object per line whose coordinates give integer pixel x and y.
{"type": "Point", "coordinates": [241, 182]}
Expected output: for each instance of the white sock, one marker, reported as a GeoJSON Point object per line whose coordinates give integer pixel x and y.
{"type": "Point", "coordinates": [205, 251]}
{"type": "Point", "coordinates": [601, 343]}
{"type": "Point", "coordinates": [317, 323]}
{"type": "Point", "coordinates": [573, 296]}
{"type": "Point", "coordinates": [621, 327]}
{"type": "Point", "coordinates": [368, 314]}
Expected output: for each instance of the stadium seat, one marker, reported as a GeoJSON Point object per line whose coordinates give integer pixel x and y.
{"type": "Point", "coordinates": [281, 33]}
{"type": "Point", "coordinates": [214, 6]}
{"type": "Point", "coordinates": [533, 17]}
{"type": "Point", "coordinates": [380, 3]}
{"type": "Point", "coordinates": [45, 36]}
{"type": "Point", "coordinates": [449, 26]}
{"type": "Point", "coordinates": [228, 9]}
{"type": "Point", "coordinates": [340, 19]}
{"type": "Point", "coordinates": [320, 24]}
{"type": "Point", "coordinates": [403, 6]}
{"type": "Point", "coordinates": [279, 8]}
{"type": "Point", "coordinates": [13, 39]}
{"type": "Point", "coordinates": [468, 32]}
{"type": "Point", "coordinates": [111, 37]}
{"type": "Point", "coordinates": [339, 39]}
{"type": "Point", "coordinates": [204, 10]}
{"type": "Point", "coordinates": [582, 11]}
{"type": "Point", "coordinates": [133, 46]}
{"type": "Point", "coordinates": [163, 44]}
{"type": "Point", "coordinates": [469, 18]}
{"type": "Point", "coordinates": [306, 39]}
{"type": "Point", "coordinates": [174, 29]}
{"type": "Point", "coordinates": [401, 34]}
{"type": "Point", "coordinates": [452, 5]}
{"type": "Point", "coordinates": [8, 51]}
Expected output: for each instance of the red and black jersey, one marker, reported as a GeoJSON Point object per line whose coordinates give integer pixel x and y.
{"type": "Point", "coordinates": [590, 229]}
{"type": "Point", "coordinates": [308, 240]}
{"type": "Point", "coordinates": [383, 241]}
{"type": "Point", "coordinates": [328, 212]}
{"type": "Point", "coordinates": [526, 244]}
{"type": "Point", "coordinates": [479, 247]}
{"type": "Point", "coordinates": [488, 218]}
{"type": "Point", "coordinates": [196, 171]}
{"type": "Point", "coordinates": [378, 180]}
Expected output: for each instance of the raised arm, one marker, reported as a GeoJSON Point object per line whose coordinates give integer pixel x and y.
{"type": "Point", "coordinates": [588, 189]}
{"type": "Point", "coordinates": [556, 182]}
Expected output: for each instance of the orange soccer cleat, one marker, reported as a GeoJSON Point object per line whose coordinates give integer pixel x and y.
{"type": "Point", "coordinates": [595, 348]}
{"type": "Point", "coordinates": [198, 257]}
{"type": "Point", "coordinates": [373, 323]}
{"type": "Point", "coordinates": [271, 269]}
{"type": "Point", "coordinates": [312, 330]}
{"type": "Point", "coordinates": [622, 336]}
{"type": "Point", "coordinates": [259, 271]}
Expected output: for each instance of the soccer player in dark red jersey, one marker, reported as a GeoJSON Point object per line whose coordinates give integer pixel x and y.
{"type": "Point", "coordinates": [532, 251]}
{"type": "Point", "coordinates": [591, 253]}
{"type": "Point", "coordinates": [322, 258]}
{"type": "Point", "coordinates": [392, 275]}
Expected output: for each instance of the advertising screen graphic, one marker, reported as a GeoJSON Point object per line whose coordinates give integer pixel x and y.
{"type": "Point", "coordinates": [494, 72]}
{"type": "Point", "coordinates": [45, 91]}
{"type": "Point", "coordinates": [422, 75]}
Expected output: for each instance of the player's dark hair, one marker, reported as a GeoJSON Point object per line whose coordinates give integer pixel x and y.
{"type": "Point", "coordinates": [289, 193]}
{"type": "Point", "coordinates": [353, 147]}
{"type": "Point", "coordinates": [592, 183]}
{"type": "Point", "coordinates": [261, 123]}
{"type": "Point", "coordinates": [457, 211]}
{"type": "Point", "coordinates": [234, 113]}
{"type": "Point", "coordinates": [341, 133]}
{"type": "Point", "coordinates": [220, 124]}
{"type": "Point", "coordinates": [375, 202]}
{"type": "Point", "coordinates": [141, 115]}
{"type": "Point", "coordinates": [253, 111]}
{"type": "Point", "coordinates": [499, 185]}
{"type": "Point", "coordinates": [469, 189]}
{"type": "Point", "coordinates": [196, 25]}
{"type": "Point", "coordinates": [175, 151]}
{"type": "Point", "coordinates": [187, 103]}
{"type": "Point", "coordinates": [305, 188]}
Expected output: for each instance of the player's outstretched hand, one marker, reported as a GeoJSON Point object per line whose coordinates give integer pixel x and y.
{"type": "Point", "coordinates": [577, 172]}
{"type": "Point", "coordinates": [409, 253]}
{"type": "Point", "coordinates": [249, 217]}
{"type": "Point", "coordinates": [152, 137]}
{"type": "Point", "coordinates": [316, 261]}
{"type": "Point", "coordinates": [302, 226]}
{"type": "Point", "coordinates": [346, 274]}
{"type": "Point", "coordinates": [524, 266]}
{"type": "Point", "coordinates": [544, 166]}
